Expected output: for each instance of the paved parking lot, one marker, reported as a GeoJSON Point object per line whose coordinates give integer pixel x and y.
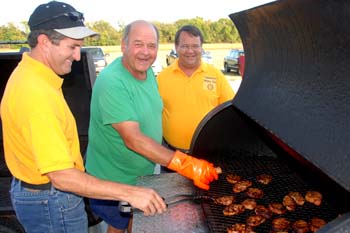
{"type": "Point", "coordinates": [235, 81]}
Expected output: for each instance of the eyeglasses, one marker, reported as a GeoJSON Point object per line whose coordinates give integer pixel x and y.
{"type": "Point", "coordinates": [188, 47]}
{"type": "Point", "coordinates": [74, 16]}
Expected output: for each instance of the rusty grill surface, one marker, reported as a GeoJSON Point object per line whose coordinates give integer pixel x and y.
{"type": "Point", "coordinates": [284, 180]}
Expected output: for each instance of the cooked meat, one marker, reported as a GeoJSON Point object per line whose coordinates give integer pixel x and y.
{"type": "Point", "coordinates": [225, 200]}
{"type": "Point", "coordinates": [297, 197]}
{"type": "Point", "coordinates": [300, 226]}
{"type": "Point", "coordinates": [264, 178]}
{"type": "Point", "coordinates": [240, 228]}
{"type": "Point", "coordinates": [249, 204]}
{"type": "Point", "coordinates": [263, 211]}
{"type": "Point", "coordinates": [314, 197]}
{"type": "Point", "coordinates": [255, 193]}
{"type": "Point", "coordinates": [316, 223]}
{"type": "Point", "coordinates": [233, 209]}
{"type": "Point", "coordinates": [236, 228]}
{"type": "Point", "coordinates": [277, 208]}
{"type": "Point", "coordinates": [255, 220]}
{"type": "Point", "coordinates": [233, 178]}
{"type": "Point", "coordinates": [241, 186]}
{"type": "Point", "coordinates": [280, 224]}
{"type": "Point", "coordinates": [289, 203]}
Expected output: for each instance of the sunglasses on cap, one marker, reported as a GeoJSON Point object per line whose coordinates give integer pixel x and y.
{"type": "Point", "coordinates": [74, 16]}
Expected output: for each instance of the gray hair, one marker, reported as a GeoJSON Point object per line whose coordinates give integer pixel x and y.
{"type": "Point", "coordinates": [53, 36]}
{"type": "Point", "coordinates": [128, 27]}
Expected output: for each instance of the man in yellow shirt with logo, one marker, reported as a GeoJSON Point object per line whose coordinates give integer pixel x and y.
{"type": "Point", "coordinates": [190, 89]}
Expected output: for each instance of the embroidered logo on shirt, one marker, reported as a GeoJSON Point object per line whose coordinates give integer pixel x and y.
{"type": "Point", "coordinates": [209, 83]}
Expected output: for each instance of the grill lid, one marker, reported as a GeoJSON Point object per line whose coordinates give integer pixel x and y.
{"type": "Point", "coordinates": [296, 83]}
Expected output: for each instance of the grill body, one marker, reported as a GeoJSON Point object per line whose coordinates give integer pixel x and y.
{"type": "Point", "coordinates": [289, 117]}
{"type": "Point", "coordinates": [296, 83]}
{"type": "Point", "coordinates": [233, 141]}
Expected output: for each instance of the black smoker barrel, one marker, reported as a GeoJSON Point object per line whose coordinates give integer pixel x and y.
{"type": "Point", "coordinates": [297, 81]}
{"type": "Point", "coordinates": [294, 96]}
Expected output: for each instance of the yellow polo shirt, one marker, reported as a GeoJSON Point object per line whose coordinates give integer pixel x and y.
{"type": "Point", "coordinates": [188, 99]}
{"type": "Point", "coordinates": [39, 130]}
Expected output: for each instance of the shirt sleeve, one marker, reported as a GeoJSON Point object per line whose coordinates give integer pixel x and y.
{"type": "Point", "coordinates": [48, 141]}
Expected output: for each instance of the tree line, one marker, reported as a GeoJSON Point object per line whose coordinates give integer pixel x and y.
{"type": "Point", "coordinates": [221, 31]}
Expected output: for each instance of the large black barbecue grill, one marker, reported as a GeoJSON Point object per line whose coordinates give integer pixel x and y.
{"type": "Point", "coordinates": [289, 119]}
{"type": "Point", "coordinates": [250, 153]}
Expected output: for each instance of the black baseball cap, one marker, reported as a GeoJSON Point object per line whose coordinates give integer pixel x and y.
{"type": "Point", "coordinates": [62, 18]}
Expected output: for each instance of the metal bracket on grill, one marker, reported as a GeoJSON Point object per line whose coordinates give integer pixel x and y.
{"type": "Point", "coordinates": [187, 197]}
{"type": "Point", "coordinates": [125, 207]}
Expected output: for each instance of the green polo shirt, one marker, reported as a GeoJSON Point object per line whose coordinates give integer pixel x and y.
{"type": "Point", "coordinates": [117, 97]}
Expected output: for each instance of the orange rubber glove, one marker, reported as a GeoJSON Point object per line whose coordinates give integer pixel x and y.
{"type": "Point", "coordinates": [199, 170]}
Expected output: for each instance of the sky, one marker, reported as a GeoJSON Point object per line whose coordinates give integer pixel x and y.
{"type": "Point", "coordinates": [126, 11]}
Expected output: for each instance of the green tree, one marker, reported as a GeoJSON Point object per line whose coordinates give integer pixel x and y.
{"type": "Point", "coordinates": [166, 32]}
{"type": "Point", "coordinates": [11, 33]}
{"type": "Point", "coordinates": [108, 34]}
{"type": "Point", "coordinates": [225, 31]}
{"type": "Point", "coordinates": [221, 31]}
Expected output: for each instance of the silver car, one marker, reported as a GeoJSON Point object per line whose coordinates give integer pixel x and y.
{"type": "Point", "coordinates": [231, 60]}
{"type": "Point", "coordinates": [99, 57]}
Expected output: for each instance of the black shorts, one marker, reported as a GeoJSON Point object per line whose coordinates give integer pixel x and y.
{"type": "Point", "coordinates": [109, 212]}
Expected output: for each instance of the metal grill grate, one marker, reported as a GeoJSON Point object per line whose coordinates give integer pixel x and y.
{"type": "Point", "coordinates": [284, 180]}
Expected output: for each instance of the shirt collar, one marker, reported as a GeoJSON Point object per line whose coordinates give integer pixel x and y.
{"type": "Point", "coordinates": [202, 68]}
{"type": "Point", "coordinates": [44, 72]}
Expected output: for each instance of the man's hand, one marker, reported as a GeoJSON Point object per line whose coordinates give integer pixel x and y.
{"type": "Point", "coordinates": [199, 170]}
{"type": "Point", "coordinates": [147, 200]}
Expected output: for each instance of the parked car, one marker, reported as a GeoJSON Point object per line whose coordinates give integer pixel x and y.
{"type": "Point", "coordinates": [206, 57]}
{"type": "Point", "coordinates": [241, 64]}
{"type": "Point", "coordinates": [157, 67]}
{"type": "Point", "coordinates": [172, 56]}
{"type": "Point", "coordinates": [231, 60]}
{"type": "Point", "coordinates": [98, 56]}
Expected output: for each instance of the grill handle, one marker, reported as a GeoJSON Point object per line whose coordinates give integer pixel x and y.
{"type": "Point", "coordinates": [125, 207]}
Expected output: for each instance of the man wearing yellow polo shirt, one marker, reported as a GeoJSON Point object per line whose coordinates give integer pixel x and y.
{"type": "Point", "coordinates": [190, 89]}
